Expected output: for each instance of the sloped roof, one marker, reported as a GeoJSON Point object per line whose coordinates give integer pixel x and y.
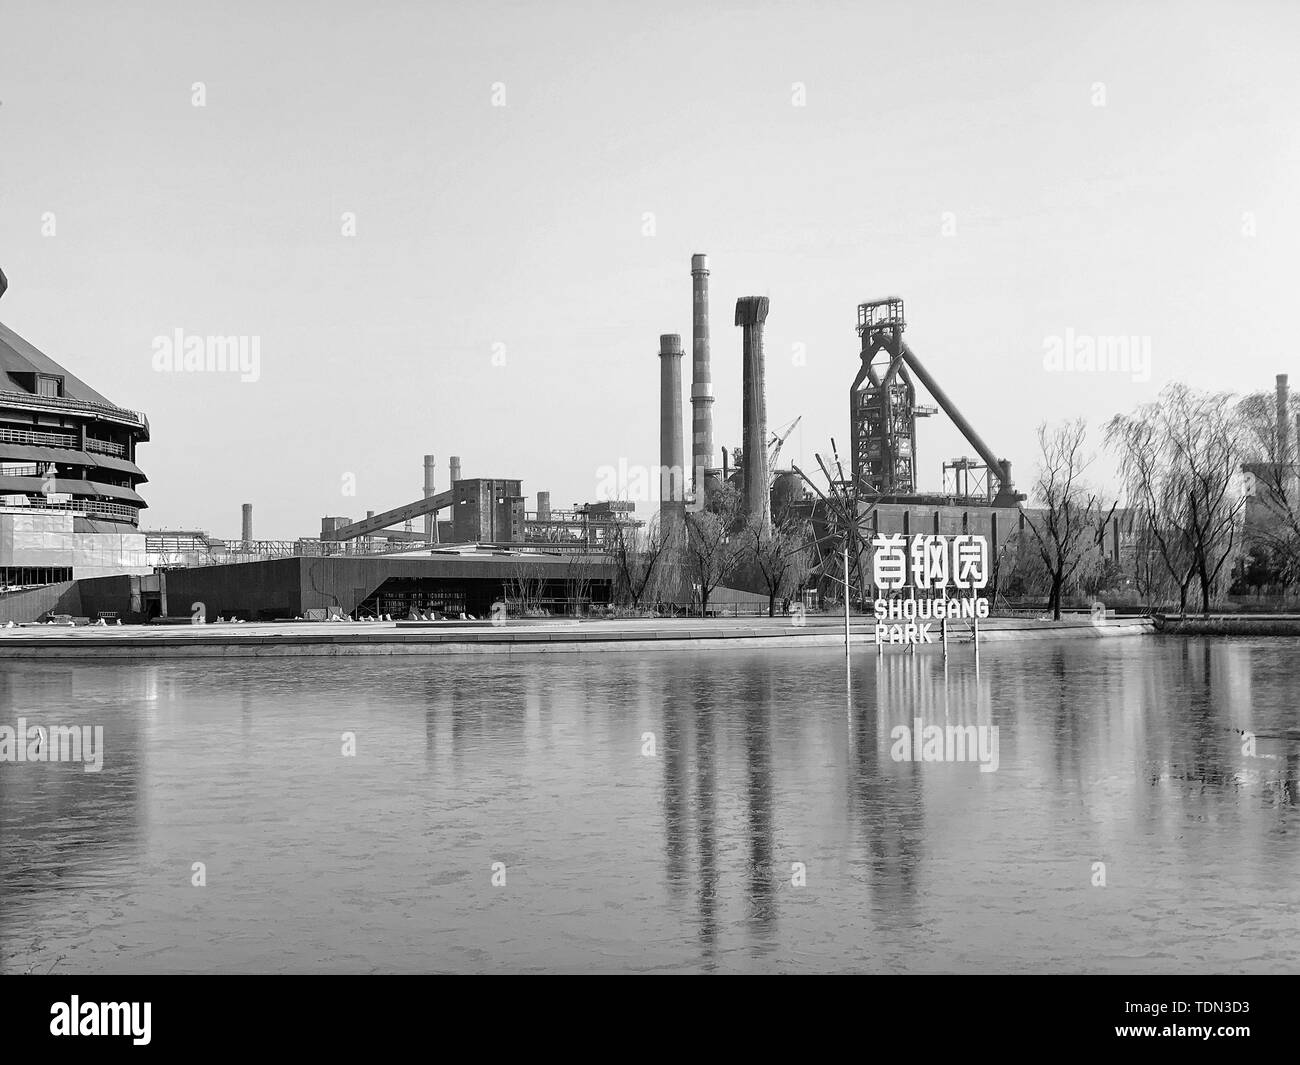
{"type": "Point", "coordinates": [17, 356]}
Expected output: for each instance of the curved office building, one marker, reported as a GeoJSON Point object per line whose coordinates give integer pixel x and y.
{"type": "Point", "coordinates": [68, 478]}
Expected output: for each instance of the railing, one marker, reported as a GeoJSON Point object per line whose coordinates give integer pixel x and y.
{"type": "Point", "coordinates": [105, 447]}
{"type": "Point", "coordinates": [22, 471]}
{"type": "Point", "coordinates": [23, 436]}
{"type": "Point", "coordinates": [93, 507]}
{"type": "Point", "coordinates": [26, 399]}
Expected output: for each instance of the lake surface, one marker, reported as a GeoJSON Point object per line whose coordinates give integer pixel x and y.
{"type": "Point", "coordinates": [732, 811]}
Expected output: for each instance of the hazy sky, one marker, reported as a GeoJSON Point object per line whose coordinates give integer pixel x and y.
{"type": "Point", "coordinates": [1102, 168]}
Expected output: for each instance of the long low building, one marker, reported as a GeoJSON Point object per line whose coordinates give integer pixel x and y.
{"type": "Point", "coordinates": [453, 580]}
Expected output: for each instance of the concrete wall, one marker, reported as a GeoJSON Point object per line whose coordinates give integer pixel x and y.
{"type": "Point", "coordinates": [46, 538]}
{"type": "Point", "coordinates": [32, 604]}
{"type": "Point", "coordinates": [39, 538]}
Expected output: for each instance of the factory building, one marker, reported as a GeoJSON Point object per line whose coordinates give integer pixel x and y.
{"type": "Point", "coordinates": [447, 581]}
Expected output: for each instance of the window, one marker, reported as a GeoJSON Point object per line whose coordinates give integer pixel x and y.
{"type": "Point", "coordinates": [49, 386]}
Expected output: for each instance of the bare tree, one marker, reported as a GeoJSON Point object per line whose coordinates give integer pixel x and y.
{"type": "Point", "coordinates": [1273, 531]}
{"type": "Point", "coordinates": [527, 579]}
{"type": "Point", "coordinates": [579, 572]}
{"type": "Point", "coordinates": [710, 546]}
{"type": "Point", "coordinates": [1068, 508]}
{"type": "Point", "coordinates": [640, 554]}
{"type": "Point", "coordinates": [1182, 457]}
{"type": "Point", "coordinates": [781, 555]}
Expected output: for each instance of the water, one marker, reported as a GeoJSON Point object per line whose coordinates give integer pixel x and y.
{"type": "Point", "coordinates": [1114, 751]}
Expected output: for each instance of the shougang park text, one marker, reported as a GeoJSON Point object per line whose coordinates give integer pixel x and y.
{"type": "Point", "coordinates": [935, 564]}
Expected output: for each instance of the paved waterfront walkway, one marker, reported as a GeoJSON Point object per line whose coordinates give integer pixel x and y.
{"type": "Point", "coordinates": [273, 639]}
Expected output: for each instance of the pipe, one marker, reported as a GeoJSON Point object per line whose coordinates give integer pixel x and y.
{"type": "Point", "coordinates": [701, 375]}
{"type": "Point", "coordinates": [1003, 466]}
{"type": "Point", "coordinates": [751, 313]}
{"type": "Point", "coordinates": [672, 486]}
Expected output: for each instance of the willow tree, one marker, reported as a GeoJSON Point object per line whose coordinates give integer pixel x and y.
{"type": "Point", "coordinates": [1181, 457]}
{"type": "Point", "coordinates": [781, 554]}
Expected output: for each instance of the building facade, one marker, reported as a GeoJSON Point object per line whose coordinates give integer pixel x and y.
{"type": "Point", "coordinates": [69, 500]}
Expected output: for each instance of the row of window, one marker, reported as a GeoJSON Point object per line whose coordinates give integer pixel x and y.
{"type": "Point", "coordinates": [27, 576]}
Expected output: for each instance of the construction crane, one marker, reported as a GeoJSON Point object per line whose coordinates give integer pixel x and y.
{"type": "Point", "coordinates": [777, 441]}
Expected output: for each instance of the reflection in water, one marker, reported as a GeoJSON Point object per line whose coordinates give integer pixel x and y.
{"type": "Point", "coordinates": [706, 818]}
{"type": "Point", "coordinates": [1128, 751]}
{"type": "Point", "coordinates": [758, 795]}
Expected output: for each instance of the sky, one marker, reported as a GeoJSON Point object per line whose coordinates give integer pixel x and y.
{"type": "Point", "coordinates": [460, 229]}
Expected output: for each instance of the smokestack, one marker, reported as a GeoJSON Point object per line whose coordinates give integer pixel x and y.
{"type": "Point", "coordinates": [248, 523]}
{"type": "Point", "coordinates": [671, 473]}
{"type": "Point", "coordinates": [430, 522]}
{"type": "Point", "coordinates": [1283, 422]}
{"type": "Point", "coordinates": [455, 470]}
{"type": "Point", "coordinates": [751, 313]}
{"type": "Point", "coordinates": [701, 376]}
{"type": "Point", "coordinates": [543, 506]}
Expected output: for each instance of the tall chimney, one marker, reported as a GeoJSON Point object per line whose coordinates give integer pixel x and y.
{"type": "Point", "coordinates": [701, 376]}
{"type": "Point", "coordinates": [430, 520]}
{"type": "Point", "coordinates": [672, 483]}
{"type": "Point", "coordinates": [1283, 422]}
{"type": "Point", "coordinates": [455, 470]}
{"type": "Point", "coordinates": [543, 506]}
{"type": "Point", "coordinates": [751, 313]}
{"type": "Point", "coordinates": [247, 523]}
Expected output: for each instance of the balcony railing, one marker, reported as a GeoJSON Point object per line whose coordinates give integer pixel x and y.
{"type": "Point", "coordinates": [95, 508]}
{"type": "Point", "coordinates": [105, 447]}
{"type": "Point", "coordinates": [26, 400]}
{"type": "Point", "coordinates": [24, 436]}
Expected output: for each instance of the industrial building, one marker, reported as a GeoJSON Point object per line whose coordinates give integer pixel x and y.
{"type": "Point", "coordinates": [70, 459]}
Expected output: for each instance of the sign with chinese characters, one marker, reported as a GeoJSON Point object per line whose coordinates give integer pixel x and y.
{"type": "Point", "coordinates": [934, 563]}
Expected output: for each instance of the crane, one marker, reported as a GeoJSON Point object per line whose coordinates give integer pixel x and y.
{"type": "Point", "coordinates": [777, 441]}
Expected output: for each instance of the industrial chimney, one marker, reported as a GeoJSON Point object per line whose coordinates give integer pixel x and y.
{"type": "Point", "coordinates": [543, 506]}
{"type": "Point", "coordinates": [455, 470]}
{"type": "Point", "coordinates": [701, 376]}
{"type": "Point", "coordinates": [247, 529]}
{"type": "Point", "coordinates": [430, 519]}
{"type": "Point", "coordinates": [672, 485]}
{"type": "Point", "coordinates": [1283, 422]}
{"type": "Point", "coordinates": [751, 313]}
